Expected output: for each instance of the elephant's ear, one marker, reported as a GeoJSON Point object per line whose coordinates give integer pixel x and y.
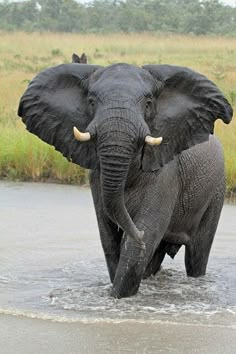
{"type": "Point", "coordinates": [77, 59]}
{"type": "Point", "coordinates": [186, 109]}
{"type": "Point", "coordinates": [54, 103]}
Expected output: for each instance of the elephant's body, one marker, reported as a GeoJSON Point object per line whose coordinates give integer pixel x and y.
{"type": "Point", "coordinates": [201, 181]}
{"type": "Point", "coordinates": [150, 198]}
{"type": "Point", "coordinates": [185, 213]}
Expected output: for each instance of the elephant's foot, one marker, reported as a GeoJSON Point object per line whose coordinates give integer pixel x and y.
{"type": "Point", "coordinates": [120, 293]}
{"type": "Point", "coordinates": [130, 270]}
{"type": "Point", "coordinates": [125, 286]}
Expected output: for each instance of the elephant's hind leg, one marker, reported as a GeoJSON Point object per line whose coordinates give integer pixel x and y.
{"type": "Point", "coordinates": [165, 247]}
{"type": "Point", "coordinates": [156, 261]}
{"type": "Point", "coordinates": [198, 250]}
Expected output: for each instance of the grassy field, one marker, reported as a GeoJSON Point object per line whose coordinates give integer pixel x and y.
{"type": "Point", "coordinates": [22, 55]}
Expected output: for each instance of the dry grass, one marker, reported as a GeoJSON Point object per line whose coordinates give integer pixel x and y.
{"type": "Point", "coordinates": [22, 55]}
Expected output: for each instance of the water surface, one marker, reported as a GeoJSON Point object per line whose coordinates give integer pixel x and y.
{"type": "Point", "coordinates": [52, 266]}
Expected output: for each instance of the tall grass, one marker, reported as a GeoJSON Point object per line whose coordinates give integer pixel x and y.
{"type": "Point", "coordinates": [25, 157]}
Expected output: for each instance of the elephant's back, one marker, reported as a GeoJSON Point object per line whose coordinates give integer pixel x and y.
{"type": "Point", "coordinates": [201, 174]}
{"type": "Point", "coordinates": [209, 150]}
{"type": "Point", "coordinates": [204, 159]}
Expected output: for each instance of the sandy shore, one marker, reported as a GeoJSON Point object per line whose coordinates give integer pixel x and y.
{"type": "Point", "coordinates": [25, 335]}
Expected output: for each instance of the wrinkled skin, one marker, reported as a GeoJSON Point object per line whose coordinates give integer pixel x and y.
{"type": "Point", "coordinates": [149, 200]}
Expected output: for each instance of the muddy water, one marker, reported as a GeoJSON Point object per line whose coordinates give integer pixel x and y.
{"type": "Point", "coordinates": [52, 267]}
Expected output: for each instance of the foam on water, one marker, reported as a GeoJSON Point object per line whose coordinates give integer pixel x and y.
{"type": "Point", "coordinates": [61, 319]}
{"type": "Point", "coordinates": [81, 292]}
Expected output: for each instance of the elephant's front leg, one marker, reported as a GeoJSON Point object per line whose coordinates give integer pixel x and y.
{"type": "Point", "coordinates": [111, 237]}
{"type": "Point", "coordinates": [110, 234]}
{"type": "Point", "coordinates": [130, 270]}
{"type": "Point", "coordinates": [153, 218]}
{"type": "Point", "coordinates": [134, 260]}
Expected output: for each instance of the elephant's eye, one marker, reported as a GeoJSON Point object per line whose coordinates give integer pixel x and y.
{"type": "Point", "coordinates": [148, 104]}
{"type": "Point", "coordinates": [91, 102]}
{"type": "Point", "coordinates": [148, 107]}
{"type": "Point", "coordinates": [92, 105]}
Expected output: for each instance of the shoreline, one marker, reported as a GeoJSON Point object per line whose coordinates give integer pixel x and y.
{"type": "Point", "coordinates": [26, 335]}
{"type": "Point", "coordinates": [230, 196]}
{"type": "Point", "coordinates": [52, 318]}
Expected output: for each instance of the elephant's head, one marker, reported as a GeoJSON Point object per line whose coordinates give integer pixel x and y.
{"type": "Point", "coordinates": [116, 112]}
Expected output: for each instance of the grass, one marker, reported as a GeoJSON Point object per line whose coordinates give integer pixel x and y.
{"type": "Point", "coordinates": [24, 157]}
{"type": "Point", "coordinates": [22, 55]}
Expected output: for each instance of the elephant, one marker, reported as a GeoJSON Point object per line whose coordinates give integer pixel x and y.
{"type": "Point", "coordinates": [156, 169]}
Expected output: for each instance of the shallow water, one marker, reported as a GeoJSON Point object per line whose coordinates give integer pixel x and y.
{"type": "Point", "coordinates": [52, 266]}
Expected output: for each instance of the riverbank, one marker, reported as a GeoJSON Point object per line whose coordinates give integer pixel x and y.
{"type": "Point", "coordinates": [83, 181]}
{"type": "Point", "coordinates": [23, 335]}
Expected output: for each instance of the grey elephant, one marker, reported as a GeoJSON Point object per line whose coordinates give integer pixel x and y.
{"type": "Point", "coordinates": [157, 173]}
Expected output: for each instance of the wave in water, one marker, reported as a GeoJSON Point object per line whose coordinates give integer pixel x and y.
{"type": "Point", "coordinates": [168, 296]}
{"type": "Point", "coordinates": [61, 319]}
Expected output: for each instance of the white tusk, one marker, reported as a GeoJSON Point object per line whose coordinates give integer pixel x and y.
{"type": "Point", "coordinates": [81, 136]}
{"type": "Point", "coordinates": [153, 141]}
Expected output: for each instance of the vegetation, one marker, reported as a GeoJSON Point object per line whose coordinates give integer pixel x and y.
{"type": "Point", "coordinates": [25, 157]}
{"type": "Point", "coordinates": [179, 16]}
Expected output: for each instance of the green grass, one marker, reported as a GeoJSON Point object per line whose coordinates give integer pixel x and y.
{"type": "Point", "coordinates": [23, 55]}
{"type": "Point", "coordinates": [25, 157]}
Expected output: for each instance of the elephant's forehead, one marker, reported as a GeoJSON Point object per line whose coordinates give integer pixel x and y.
{"type": "Point", "coordinates": [122, 76]}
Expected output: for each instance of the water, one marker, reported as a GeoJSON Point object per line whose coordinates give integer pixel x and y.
{"type": "Point", "coordinates": [52, 266]}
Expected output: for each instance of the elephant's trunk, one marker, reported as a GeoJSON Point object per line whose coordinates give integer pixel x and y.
{"type": "Point", "coordinates": [117, 143]}
{"type": "Point", "coordinates": [113, 181]}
